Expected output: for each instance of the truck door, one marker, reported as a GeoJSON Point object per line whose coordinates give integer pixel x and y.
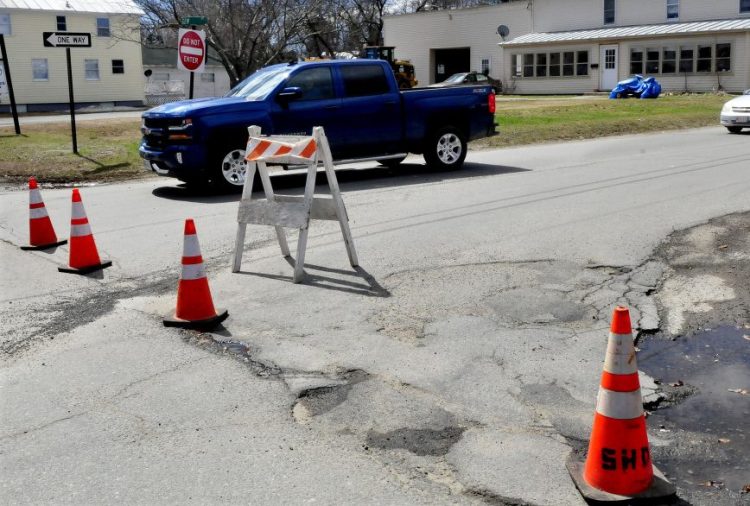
{"type": "Point", "coordinates": [373, 110]}
{"type": "Point", "coordinates": [316, 105]}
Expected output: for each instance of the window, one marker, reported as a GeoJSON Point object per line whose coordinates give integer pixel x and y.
{"type": "Point", "coordinates": [673, 10]}
{"type": "Point", "coordinates": [554, 64]}
{"type": "Point", "coordinates": [745, 6]}
{"type": "Point", "coordinates": [609, 59]}
{"type": "Point", "coordinates": [118, 66]}
{"type": "Point", "coordinates": [92, 70]}
{"type": "Point", "coordinates": [652, 61]}
{"type": "Point", "coordinates": [485, 66]}
{"type": "Point", "coordinates": [62, 25]}
{"type": "Point", "coordinates": [704, 59]}
{"type": "Point", "coordinates": [582, 63]}
{"type": "Point", "coordinates": [516, 67]}
{"type": "Point", "coordinates": [569, 64]}
{"type": "Point", "coordinates": [636, 61]}
{"type": "Point", "coordinates": [668, 60]}
{"type": "Point", "coordinates": [364, 80]}
{"type": "Point", "coordinates": [723, 57]}
{"type": "Point", "coordinates": [316, 83]}
{"type": "Point", "coordinates": [528, 65]}
{"type": "Point", "coordinates": [687, 56]}
{"type": "Point", "coordinates": [541, 65]}
{"type": "Point", "coordinates": [5, 24]}
{"type": "Point", "coordinates": [102, 27]}
{"type": "Point", "coordinates": [39, 69]}
{"type": "Point", "coordinates": [207, 77]}
{"type": "Point", "coordinates": [609, 12]}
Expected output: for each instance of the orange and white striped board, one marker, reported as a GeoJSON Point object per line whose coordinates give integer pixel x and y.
{"type": "Point", "coordinates": [261, 149]}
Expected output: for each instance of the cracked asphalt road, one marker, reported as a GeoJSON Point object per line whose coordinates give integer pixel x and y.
{"type": "Point", "coordinates": [458, 365]}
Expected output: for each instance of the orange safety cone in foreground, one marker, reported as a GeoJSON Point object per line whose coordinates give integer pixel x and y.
{"type": "Point", "coordinates": [41, 233]}
{"type": "Point", "coordinates": [84, 257]}
{"type": "Point", "coordinates": [195, 308]}
{"type": "Point", "coordinates": [618, 465]}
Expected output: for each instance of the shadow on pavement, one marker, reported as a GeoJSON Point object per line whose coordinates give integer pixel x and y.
{"type": "Point", "coordinates": [352, 179]}
{"type": "Point", "coordinates": [336, 281]}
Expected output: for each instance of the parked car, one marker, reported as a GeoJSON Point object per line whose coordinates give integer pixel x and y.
{"type": "Point", "coordinates": [735, 115]}
{"type": "Point", "coordinates": [463, 78]}
{"type": "Point", "coordinates": [357, 102]}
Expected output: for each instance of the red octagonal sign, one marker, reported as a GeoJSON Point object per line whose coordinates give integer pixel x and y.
{"type": "Point", "coordinates": [191, 51]}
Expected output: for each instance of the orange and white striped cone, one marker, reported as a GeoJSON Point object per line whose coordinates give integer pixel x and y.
{"type": "Point", "coordinates": [84, 257]}
{"type": "Point", "coordinates": [41, 233]}
{"type": "Point", "coordinates": [618, 465]}
{"type": "Point", "coordinates": [195, 307]}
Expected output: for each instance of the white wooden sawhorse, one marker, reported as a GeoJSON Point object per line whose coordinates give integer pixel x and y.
{"type": "Point", "coordinates": [286, 211]}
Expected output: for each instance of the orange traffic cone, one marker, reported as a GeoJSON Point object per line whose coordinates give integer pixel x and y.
{"type": "Point", "coordinates": [618, 466]}
{"type": "Point", "coordinates": [195, 308]}
{"type": "Point", "coordinates": [84, 257]}
{"type": "Point", "coordinates": [41, 233]}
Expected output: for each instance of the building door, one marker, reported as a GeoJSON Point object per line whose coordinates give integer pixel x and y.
{"type": "Point", "coordinates": [607, 67]}
{"type": "Point", "coordinates": [450, 61]}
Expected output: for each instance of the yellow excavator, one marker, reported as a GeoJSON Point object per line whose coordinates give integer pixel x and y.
{"type": "Point", "coordinates": [403, 69]}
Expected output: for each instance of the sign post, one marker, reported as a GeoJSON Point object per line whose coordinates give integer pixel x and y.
{"type": "Point", "coordinates": [68, 40]}
{"type": "Point", "coordinates": [191, 52]}
{"type": "Point", "coordinates": [9, 84]}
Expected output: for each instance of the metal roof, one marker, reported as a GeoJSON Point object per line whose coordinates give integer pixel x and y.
{"type": "Point", "coordinates": [626, 32]}
{"type": "Point", "coordinates": [62, 6]}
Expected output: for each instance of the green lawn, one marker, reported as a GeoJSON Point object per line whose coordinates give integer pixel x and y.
{"type": "Point", "coordinates": [530, 120]}
{"type": "Point", "coordinates": [109, 149]}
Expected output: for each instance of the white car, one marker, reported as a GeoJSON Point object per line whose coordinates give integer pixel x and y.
{"type": "Point", "coordinates": [735, 115]}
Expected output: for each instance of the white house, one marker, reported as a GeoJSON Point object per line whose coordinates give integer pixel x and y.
{"type": "Point", "coordinates": [165, 82]}
{"type": "Point", "coordinates": [109, 72]}
{"type": "Point", "coordinates": [578, 46]}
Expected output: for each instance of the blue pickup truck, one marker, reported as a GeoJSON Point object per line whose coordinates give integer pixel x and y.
{"type": "Point", "coordinates": [358, 102]}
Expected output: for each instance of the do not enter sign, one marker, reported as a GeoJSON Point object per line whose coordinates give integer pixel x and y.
{"type": "Point", "coordinates": [191, 50]}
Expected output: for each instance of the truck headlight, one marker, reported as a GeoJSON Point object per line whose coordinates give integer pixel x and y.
{"type": "Point", "coordinates": [181, 132]}
{"type": "Point", "coordinates": [726, 108]}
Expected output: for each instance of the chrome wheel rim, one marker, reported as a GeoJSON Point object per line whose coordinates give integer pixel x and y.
{"type": "Point", "coordinates": [449, 148]}
{"type": "Point", "coordinates": [234, 167]}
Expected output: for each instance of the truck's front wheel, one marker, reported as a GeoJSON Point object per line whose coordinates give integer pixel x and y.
{"type": "Point", "coordinates": [229, 168]}
{"type": "Point", "coordinates": [445, 149]}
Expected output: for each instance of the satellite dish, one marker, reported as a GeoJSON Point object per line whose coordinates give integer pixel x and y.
{"type": "Point", "coordinates": [503, 31]}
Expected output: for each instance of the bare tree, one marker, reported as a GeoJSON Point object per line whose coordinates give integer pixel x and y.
{"type": "Point", "coordinates": [245, 34]}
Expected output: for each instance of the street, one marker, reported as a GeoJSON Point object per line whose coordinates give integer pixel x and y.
{"type": "Point", "coordinates": [459, 364]}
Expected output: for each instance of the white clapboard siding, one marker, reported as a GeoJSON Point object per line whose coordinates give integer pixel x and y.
{"type": "Point", "coordinates": [25, 43]}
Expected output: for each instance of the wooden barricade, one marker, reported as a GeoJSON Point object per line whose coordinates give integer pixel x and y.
{"type": "Point", "coordinates": [286, 211]}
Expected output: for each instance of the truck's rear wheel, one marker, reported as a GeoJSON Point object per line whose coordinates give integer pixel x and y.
{"type": "Point", "coordinates": [230, 167]}
{"type": "Point", "coordinates": [445, 149]}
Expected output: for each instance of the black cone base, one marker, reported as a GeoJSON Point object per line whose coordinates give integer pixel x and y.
{"type": "Point", "coordinates": [207, 324]}
{"type": "Point", "coordinates": [661, 490]}
{"type": "Point", "coordinates": [86, 270]}
{"type": "Point", "coordinates": [45, 246]}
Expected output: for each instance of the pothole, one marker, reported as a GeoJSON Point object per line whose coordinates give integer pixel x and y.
{"type": "Point", "coordinates": [417, 441]}
{"type": "Point", "coordinates": [313, 402]}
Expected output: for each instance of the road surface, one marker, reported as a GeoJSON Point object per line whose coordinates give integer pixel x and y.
{"type": "Point", "coordinates": [458, 365]}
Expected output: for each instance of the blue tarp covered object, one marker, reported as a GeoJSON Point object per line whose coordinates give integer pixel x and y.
{"type": "Point", "coordinates": [637, 86]}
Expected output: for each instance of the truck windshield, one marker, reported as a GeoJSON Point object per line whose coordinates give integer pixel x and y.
{"type": "Point", "coordinates": [258, 85]}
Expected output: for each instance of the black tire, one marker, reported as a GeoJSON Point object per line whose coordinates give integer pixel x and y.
{"type": "Point", "coordinates": [445, 149]}
{"type": "Point", "coordinates": [392, 163]}
{"type": "Point", "coordinates": [228, 168]}
{"type": "Point", "coordinates": [734, 129]}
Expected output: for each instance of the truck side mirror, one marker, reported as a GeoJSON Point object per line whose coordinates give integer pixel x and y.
{"type": "Point", "coordinates": [290, 93]}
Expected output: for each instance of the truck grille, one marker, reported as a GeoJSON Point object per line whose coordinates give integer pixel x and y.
{"type": "Point", "coordinates": [155, 131]}
{"type": "Point", "coordinates": [741, 109]}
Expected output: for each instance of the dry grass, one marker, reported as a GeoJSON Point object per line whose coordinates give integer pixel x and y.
{"type": "Point", "coordinates": [530, 120]}
{"type": "Point", "coordinates": [108, 151]}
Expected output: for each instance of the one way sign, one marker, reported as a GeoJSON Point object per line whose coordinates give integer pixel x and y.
{"type": "Point", "coordinates": [66, 39]}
